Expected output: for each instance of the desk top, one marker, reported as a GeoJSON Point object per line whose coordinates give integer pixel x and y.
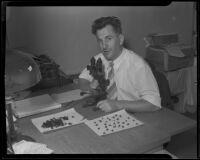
{"type": "Point", "coordinates": [157, 129]}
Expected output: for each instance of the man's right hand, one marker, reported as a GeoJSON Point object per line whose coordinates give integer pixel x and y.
{"type": "Point", "coordinates": [88, 87]}
{"type": "Point", "coordinates": [94, 84]}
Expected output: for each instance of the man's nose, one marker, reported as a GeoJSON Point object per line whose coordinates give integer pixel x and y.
{"type": "Point", "coordinates": [105, 45]}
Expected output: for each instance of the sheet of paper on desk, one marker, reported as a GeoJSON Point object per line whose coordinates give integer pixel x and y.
{"type": "Point", "coordinates": [112, 123]}
{"type": "Point", "coordinates": [58, 120]}
{"type": "Point", "coordinates": [26, 147]}
{"type": "Point", "coordinates": [35, 105]}
{"type": "Point", "coordinates": [68, 96]}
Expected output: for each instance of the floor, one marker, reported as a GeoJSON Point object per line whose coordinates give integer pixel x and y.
{"type": "Point", "coordinates": [184, 145]}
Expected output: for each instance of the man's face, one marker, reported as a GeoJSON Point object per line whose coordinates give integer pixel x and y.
{"type": "Point", "coordinates": [110, 42]}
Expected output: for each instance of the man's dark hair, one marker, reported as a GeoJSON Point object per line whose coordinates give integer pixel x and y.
{"type": "Point", "coordinates": [104, 21]}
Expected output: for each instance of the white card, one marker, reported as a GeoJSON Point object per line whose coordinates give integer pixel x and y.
{"type": "Point", "coordinates": [58, 120]}
{"type": "Point", "coordinates": [113, 122]}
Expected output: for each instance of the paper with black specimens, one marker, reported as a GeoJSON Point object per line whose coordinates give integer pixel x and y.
{"type": "Point", "coordinates": [58, 120]}
{"type": "Point", "coordinates": [112, 123]}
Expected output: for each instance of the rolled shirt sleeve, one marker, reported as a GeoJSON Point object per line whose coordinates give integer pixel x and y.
{"type": "Point", "coordinates": [146, 85]}
{"type": "Point", "coordinates": [85, 74]}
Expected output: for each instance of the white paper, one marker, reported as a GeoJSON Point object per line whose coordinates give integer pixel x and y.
{"type": "Point", "coordinates": [26, 147]}
{"type": "Point", "coordinates": [68, 96]}
{"type": "Point", "coordinates": [35, 105]}
{"type": "Point", "coordinates": [73, 119]}
{"type": "Point", "coordinates": [174, 51]}
{"type": "Point", "coordinates": [112, 123]}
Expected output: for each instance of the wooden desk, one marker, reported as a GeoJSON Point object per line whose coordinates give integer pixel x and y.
{"type": "Point", "coordinates": [157, 129]}
{"type": "Point", "coordinates": [168, 121]}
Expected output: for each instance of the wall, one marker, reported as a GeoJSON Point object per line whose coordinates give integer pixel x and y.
{"type": "Point", "coordinates": [64, 33]}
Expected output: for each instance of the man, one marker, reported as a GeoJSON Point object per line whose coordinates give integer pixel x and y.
{"type": "Point", "coordinates": [136, 89]}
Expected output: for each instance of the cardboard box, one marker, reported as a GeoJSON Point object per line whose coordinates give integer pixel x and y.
{"type": "Point", "coordinates": [162, 39]}
{"type": "Point", "coordinates": [165, 61]}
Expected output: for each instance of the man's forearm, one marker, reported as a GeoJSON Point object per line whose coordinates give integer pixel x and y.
{"type": "Point", "coordinates": [136, 106]}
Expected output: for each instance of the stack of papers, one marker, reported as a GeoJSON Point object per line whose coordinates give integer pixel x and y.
{"type": "Point", "coordinates": [35, 105]}
{"type": "Point", "coordinates": [113, 122]}
{"type": "Point", "coordinates": [26, 147]}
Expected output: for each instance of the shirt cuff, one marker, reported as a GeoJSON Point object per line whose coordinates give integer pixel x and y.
{"type": "Point", "coordinates": [155, 100]}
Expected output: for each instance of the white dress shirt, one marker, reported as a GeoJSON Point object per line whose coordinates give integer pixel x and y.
{"type": "Point", "coordinates": [133, 77]}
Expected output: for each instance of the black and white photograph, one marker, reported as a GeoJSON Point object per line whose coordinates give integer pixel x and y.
{"type": "Point", "coordinates": [100, 80]}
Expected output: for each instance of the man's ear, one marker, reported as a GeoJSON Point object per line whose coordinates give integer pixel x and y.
{"type": "Point", "coordinates": [121, 38]}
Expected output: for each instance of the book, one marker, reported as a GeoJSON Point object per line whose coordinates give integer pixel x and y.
{"type": "Point", "coordinates": [34, 105]}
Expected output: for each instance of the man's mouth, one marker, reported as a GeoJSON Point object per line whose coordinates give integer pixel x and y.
{"type": "Point", "coordinates": [106, 51]}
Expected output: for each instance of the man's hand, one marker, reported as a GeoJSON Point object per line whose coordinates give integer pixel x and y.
{"type": "Point", "coordinates": [88, 87]}
{"type": "Point", "coordinates": [94, 84]}
{"type": "Point", "coordinates": [108, 105]}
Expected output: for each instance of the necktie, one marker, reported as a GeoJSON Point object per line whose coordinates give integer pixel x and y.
{"type": "Point", "coordinates": [111, 71]}
{"type": "Point", "coordinates": [111, 90]}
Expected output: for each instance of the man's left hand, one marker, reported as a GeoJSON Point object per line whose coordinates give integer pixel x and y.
{"type": "Point", "coordinates": [107, 105]}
